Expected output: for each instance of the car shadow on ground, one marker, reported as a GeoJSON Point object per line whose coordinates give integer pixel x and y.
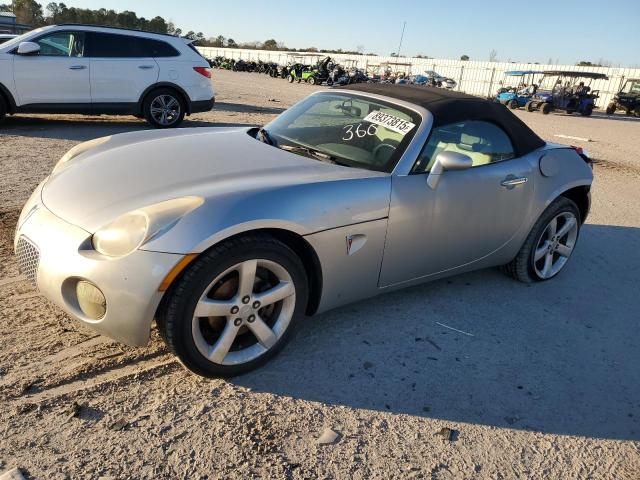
{"type": "Point", "coordinates": [555, 357]}
{"type": "Point", "coordinates": [80, 128]}
{"type": "Point", "coordinates": [244, 108]}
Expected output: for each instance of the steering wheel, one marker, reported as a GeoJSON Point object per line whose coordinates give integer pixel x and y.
{"type": "Point", "coordinates": [378, 149]}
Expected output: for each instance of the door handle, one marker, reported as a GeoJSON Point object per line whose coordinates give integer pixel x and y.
{"type": "Point", "coordinates": [511, 181]}
{"type": "Point", "coordinates": [77, 67]}
{"type": "Point", "coordinates": [145, 67]}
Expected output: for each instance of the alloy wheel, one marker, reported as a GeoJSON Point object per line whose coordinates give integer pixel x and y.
{"type": "Point", "coordinates": [243, 312]}
{"type": "Point", "coordinates": [555, 245]}
{"type": "Point", "coordinates": [165, 109]}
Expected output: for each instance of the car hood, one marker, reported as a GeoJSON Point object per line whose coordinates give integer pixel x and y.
{"type": "Point", "coordinates": [134, 170]}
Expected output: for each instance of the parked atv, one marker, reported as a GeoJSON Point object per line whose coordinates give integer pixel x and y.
{"type": "Point", "coordinates": [566, 90]}
{"type": "Point", "coordinates": [627, 99]}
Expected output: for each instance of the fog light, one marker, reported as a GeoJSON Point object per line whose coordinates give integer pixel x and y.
{"type": "Point", "coordinates": [91, 300]}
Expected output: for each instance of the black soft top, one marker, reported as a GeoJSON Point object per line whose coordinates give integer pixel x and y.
{"type": "Point", "coordinates": [449, 107]}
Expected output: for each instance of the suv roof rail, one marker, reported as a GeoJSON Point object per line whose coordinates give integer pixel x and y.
{"type": "Point", "coordinates": [114, 28]}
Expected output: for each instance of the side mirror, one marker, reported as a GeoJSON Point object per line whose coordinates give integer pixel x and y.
{"type": "Point", "coordinates": [447, 161]}
{"type": "Point", "coordinates": [28, 48]}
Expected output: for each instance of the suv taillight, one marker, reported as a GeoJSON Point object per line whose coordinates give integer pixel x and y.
{"type": "Point", "coordinates": [203, 71]}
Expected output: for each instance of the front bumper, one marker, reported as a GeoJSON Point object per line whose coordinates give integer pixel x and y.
{"type": "Point", "coordinates": [63, 257]}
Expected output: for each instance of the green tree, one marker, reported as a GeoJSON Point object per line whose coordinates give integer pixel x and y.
{"type": "Point", "coordinates": [270, 44]}
{"type": "Point", "coordinates": [28, 11]}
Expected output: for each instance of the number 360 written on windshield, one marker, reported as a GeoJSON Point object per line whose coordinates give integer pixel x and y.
{"type": "Point", "coordinates": [351, 131]}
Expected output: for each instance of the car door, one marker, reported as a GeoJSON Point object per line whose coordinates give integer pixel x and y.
{"type": "Point", "coordinates": [58, 74]}
{"type": "Point", "coordinates": [468, 216]}
{"type": "Point", "coordinates": [122, 67]}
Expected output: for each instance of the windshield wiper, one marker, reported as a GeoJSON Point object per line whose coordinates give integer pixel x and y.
{"type": "Point", "coordinates": [317, 154]}
{"type": "Point", "coordinates": [265, 137]}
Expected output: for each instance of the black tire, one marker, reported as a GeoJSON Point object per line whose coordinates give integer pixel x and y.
{"type": "Point", "coordinates": [176, 314]}
{"type": "Point", "coordinates": [636, 111]}
{"type": "Point", "coordinates": [3, 109]}
{"type": "Point", "coordinates": [587, 111]}
{"type": "Point", "coordinates": [512, 104]}
{"type": "Point", "coordinates": [545, 108]}
{"type": "Point", "coordinates": [312, 80]}
{"type": "Point", "coordinates": [290, 79]}
{"type": "Point", "coordinates": [521, 267]}
{"type": "Point", "coordinates": [167, 93]}
{"type": "Point", "coordinates": [611, 109]}
{"type": "Point", "coordinates": [529, 107]}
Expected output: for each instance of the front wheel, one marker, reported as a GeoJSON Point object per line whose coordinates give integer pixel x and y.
{"type": "Point", "coordinates": [164, 108]}
{"type": "Point", "coordinates": [636, 111]}
{"type": "Point", "coordinates": [611, 108]}
{"type": "Point", "coordinates": [512, 104]}
{"type": "Point", "coordinates": [290, 79]}
{"type": "Point", "coordinates": [549, 245]}
{"type": "Point", "coordinates": [529, 107]}
{"type": "Point", "coordinates": [3, 109]}
{"type": "Point", "coordinates": [235, 307]}
{"type": "Point", "coordinates": [312, 80]}
{"type": "Point", "coordinates": [545, 108]}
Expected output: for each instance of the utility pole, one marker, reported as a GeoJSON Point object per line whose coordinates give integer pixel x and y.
{"type": "Point", "coordinates": [401, 38]}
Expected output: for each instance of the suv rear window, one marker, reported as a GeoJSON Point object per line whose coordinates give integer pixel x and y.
{"type": "Point", "coordinates": [110, 45]}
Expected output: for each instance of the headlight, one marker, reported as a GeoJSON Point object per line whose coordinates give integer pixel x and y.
{"type": "Point", "coordinates": [132, 230]}
{"type": "Point", "coordinates": [77, 150]}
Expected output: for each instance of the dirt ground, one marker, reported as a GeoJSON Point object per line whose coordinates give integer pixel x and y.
{"type": "Point", "coordinates": [546, 386]}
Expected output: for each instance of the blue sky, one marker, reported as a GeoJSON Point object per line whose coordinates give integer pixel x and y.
{"type": "Point", "coordinates": [563, 30]}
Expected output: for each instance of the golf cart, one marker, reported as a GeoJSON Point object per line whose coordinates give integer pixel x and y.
{"type": "Point", "coordinates": [627, 99]}
{"type": "Point", "coordinates": [565, 90]}
{"type": "Point", "coordinates": [515, 96]}
{"type": "Point", "coordinates": [394, 72]}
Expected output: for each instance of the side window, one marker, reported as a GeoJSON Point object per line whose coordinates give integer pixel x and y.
{"type": "Point", "coordinates": [110, 45]}
{"type": "Point", "coordinates": [483, 142]}
{"type": "Point", "coordinates": [157, 48]}
{"type": "Point", "coordinates": [62, 44]}
{"type": "Point", "coordinates": [107, 45]}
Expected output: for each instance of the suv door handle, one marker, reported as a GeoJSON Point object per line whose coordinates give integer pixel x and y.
{"type": "Point", "coordinates": [77, 67]}
{"type": "Point", "coordinates": [511, 181]}
{"type": "Point", "coordinates": [145, 67]}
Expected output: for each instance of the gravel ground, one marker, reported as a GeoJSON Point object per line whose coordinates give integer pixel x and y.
{"type": "Point", "coordinates": [546, 386]}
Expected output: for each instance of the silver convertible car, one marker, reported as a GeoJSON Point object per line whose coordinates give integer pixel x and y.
{"type": "Point", "coordinates": [227, 237]}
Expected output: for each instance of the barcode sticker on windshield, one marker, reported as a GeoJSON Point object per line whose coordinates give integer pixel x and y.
{"type": "Point", "coordinates": [390, 121]}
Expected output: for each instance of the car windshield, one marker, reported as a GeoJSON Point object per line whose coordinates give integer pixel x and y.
{"type": "Point", "coordinates": [632, 86]}
{"type": "Point", "coordinates": [346, 129]}
{"type": "Point", "coordinates": [14, 42]}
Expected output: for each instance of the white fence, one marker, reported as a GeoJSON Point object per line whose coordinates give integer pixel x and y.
{"type": "Point", "coordinates": [476, 78]}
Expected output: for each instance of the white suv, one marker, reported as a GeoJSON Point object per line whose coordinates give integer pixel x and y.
{"type": "Point", "coordinates": [103, 70]}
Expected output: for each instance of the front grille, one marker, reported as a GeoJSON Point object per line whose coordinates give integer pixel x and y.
{"type": "Point", "coordinates": [28, 258]}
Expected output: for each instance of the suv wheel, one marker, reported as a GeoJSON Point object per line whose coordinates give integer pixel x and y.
{"type": "Point", "coordinates": [3, 108]}
{"type": "Point", "coordinates": [235, 307]}
{"type": "Point", "coordinates": [164, 108]}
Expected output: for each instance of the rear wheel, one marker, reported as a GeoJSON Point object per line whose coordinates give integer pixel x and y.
{"type": "Point", "coordinates": [587, 111]}
{"type": "Point", "coordinates": [529, 106]}
{"type": "Point", "coordinates": [235, 307]}
{"type": "Point", "coordinates": [611, 108]}
{"type": "Point", "coordinates": [545, 108]}
{"type": "Point", "coordinates": [312, 80]}
{"type": "Point", "coordinates": [290, 79]}
{"type": "Point", "coordinates": [636, 111]}
{"type": "Point", "coordinates": [512, 104]}
{"type": "Point", "coordinates": [549, 245]}
{"type": "Point", "coordinates": [164, 108]}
